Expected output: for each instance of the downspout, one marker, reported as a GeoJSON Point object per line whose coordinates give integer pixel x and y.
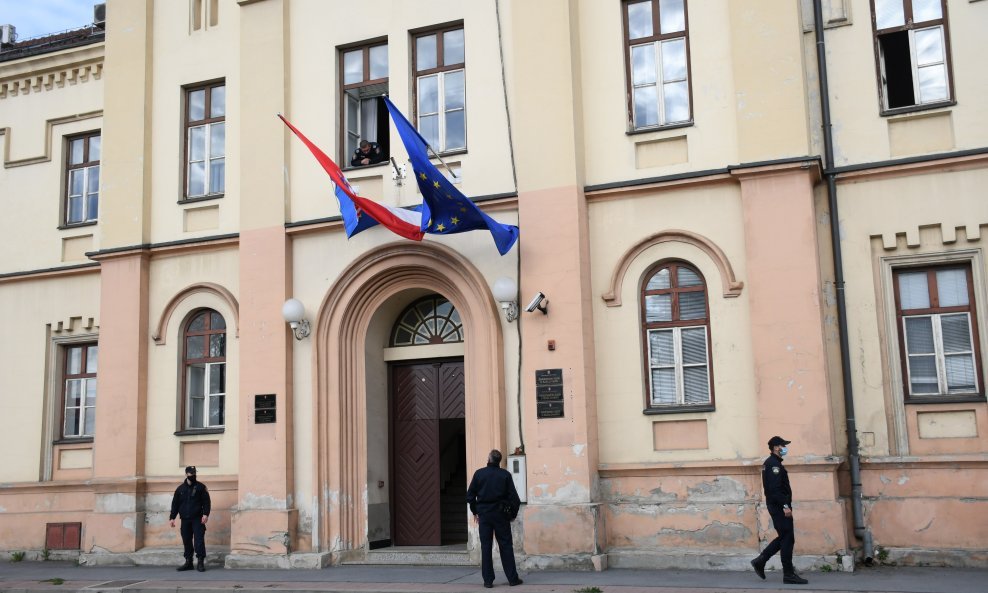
{"type": "Point", "coordinates": [853, 456]}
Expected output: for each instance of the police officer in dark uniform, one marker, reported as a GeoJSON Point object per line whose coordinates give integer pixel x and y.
{"type": "Point", "coordinates": [778, 499]}
{"type": "Point", "coordinates": [191, 503]}
{"type": "Point", "coordinates": [494, 503]}
{"type": "Point", "coordinates": [368, 153]}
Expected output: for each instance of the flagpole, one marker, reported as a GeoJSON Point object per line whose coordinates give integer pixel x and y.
{"type": "Point", "coordinates": [435, 154]}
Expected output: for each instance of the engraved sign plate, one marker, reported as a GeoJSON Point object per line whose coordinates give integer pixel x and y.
{"type": "Point", "coordinates": [549, 393]}
{"type": "Point", "coordinates": [265, 409]}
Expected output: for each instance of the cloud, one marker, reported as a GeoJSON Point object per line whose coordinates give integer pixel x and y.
{"type": "Point", "coordinates": [40, 17]}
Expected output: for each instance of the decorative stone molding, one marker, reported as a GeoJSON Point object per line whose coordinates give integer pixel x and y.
{"type": "Point", "coordinates": [340, 403]}
{"type": "Point", "coordinates": [731, 285]}
{"type": "Point", "coordinates": [49, 135]}
{"type": "Point", "coordinates": [206, 287]}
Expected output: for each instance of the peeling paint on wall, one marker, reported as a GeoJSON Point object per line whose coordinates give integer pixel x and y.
{"type": "Point", "coordinates": [253, 502]}
{"type": "Point", "coordinates": [116, 503]}
{"type": "Point", "coordinates": [571, 492]}
{"type": "Point", "coordinates": [721, 489]}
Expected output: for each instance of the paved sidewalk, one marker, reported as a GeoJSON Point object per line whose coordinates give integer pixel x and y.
{"type": "Point", "coordinates": [44, 576]}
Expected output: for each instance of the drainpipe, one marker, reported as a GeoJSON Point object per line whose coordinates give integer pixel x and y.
{"type": "Point", "coordinates": [853, 456]}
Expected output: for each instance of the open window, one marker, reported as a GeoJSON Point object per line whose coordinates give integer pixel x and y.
{"type": "Point", "coordinates": [912, 48]}
{"type": "Point", "coordinates": [363, 83]}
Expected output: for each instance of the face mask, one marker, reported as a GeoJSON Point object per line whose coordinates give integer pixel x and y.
{"type": "Point", "coordinates": [784, 451]}
{"type": "Point", "coordinates": [191, 479]}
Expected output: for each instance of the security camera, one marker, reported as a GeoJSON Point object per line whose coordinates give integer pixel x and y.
{"type": "Point", "coordinates": [538, 302]}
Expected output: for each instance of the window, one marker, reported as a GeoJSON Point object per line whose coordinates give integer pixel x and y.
{"type": "Point", "coordinates": [657, 53]}
{"type": "Point", "coordinates": [364, 82]}
{"type": "Point", "coordinates": [79, 395]}
{"type": "Point", "coordinates": [432, 320]}
{"type": "Point", "coordinates": [82, 179]}
{"type": "Point", "coordinates": [440, 91]}
{"type": "Point", "coordinates": [205, 141]}
{"type": "Point", "coordinates": [675, 334]}
{"type": "Point", "coordinates": [911, 42]}
{"type": "Point", "coordinates": [938, 332]}
{"type": "Point", "coordinates": [205, 370]}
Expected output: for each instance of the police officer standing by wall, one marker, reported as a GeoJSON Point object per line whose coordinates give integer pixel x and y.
{"type": "Point", "coordinates": [494, 503]}
{"type": "Point", "coordinates": [191, 503]}
{"type": "Point", "coordinates": [778, 499]}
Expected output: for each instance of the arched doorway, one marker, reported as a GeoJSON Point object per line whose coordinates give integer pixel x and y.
{"type": "Point", "coordinates": [340, 361]}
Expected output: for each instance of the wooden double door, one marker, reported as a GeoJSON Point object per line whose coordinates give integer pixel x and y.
{"type": "Point", "coordinates": [428, 453]}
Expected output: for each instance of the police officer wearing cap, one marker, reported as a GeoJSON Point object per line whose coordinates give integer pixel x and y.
{"type": "Point", "coordinates": [191, 503]}
{"type": "Point", "coordinates": [778, 499]}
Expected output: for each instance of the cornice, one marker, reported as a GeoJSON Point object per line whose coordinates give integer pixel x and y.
{"type": "Point", "coordinates": [51, 71]}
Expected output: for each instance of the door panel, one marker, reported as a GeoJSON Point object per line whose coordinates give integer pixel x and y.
{"type": "Point", "coordinates": [416, 455]}
{"type": "Point", "coordinates": [451, 390]}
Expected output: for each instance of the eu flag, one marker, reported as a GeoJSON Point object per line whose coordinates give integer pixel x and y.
{"type": "Point", "coordinates": [445, 210]}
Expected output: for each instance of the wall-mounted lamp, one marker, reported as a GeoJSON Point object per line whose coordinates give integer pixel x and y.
{"type": "Point", "coordinates": [294, 313]}
{"type": "Point", "coordinates": [506, 292]}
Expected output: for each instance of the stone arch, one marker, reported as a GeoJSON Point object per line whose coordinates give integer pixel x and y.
{"type": "Point", "coordinates": [731, 285]}
{"type": "Point", "coordinates": [208, 287]}
{"type": "Point", "coordinates": [339, 405]}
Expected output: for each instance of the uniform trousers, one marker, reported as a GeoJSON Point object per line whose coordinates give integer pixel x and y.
{"type": "Point", "coordinates": [194, 530]}
{"type": "Point", "coordinates": [496, 524]}
{"type": "Point", "coordinates": [785, 540]}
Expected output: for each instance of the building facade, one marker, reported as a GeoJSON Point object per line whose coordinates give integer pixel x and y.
{"type": "Point", "coordinates": [679, 176]}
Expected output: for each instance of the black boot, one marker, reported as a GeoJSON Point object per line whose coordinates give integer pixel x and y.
{"type": "Point", "coordinates": [186, 566]}
{"type": "Point", "coordinates": [201, 567]}
{"type": "Point", "coordinates": [759, 565]}
{"type": "Point", "coordinates": [791, 578]}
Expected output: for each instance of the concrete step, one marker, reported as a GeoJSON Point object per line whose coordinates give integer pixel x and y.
{"type": "Point", "coordinates": [453, 555]}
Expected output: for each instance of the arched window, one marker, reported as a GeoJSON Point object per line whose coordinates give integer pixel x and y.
{"type": "Point", "coordinates": [432, 320]}
{"type": "Point", "coordinates": [676, 334]}
{"type": "Point", "coordinates": [204, 361]}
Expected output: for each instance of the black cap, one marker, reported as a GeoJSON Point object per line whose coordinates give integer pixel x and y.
{"type": "Point", "coordinates": [777, 440]}
{"type": "Point", "coordinates": [190, 469]}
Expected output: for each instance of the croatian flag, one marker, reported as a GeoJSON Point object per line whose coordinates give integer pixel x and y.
{"type": "Point", "coordinates": [361, 213]}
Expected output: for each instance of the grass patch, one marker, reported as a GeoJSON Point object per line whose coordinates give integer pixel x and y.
{"type": "Point", "coordinates": [589, 590]}
{"type": "Point", "coordinates": [16, 556]}
{"type": "Point", "coordinates": [826, 568]}
{"type": "Point", "coordinates": [54, 581]}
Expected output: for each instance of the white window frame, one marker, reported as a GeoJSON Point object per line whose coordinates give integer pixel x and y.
{"type": "Point", "coordinates": [207, 397]}
{"type": "Point", "coordinates": [660, 83]}
{"type": "Point", "coordinates": [82, 431]}
{"type": "Point", "coordinates": [207, 174]}
{"type": "Point", "coordinates": [679, 365]}
{"type": "Point", "coordinates": [441, 105]}
{"type": "Point", "coordinates": [939, 355]}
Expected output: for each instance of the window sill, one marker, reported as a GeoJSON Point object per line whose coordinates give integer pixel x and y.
{"type": "Point", "coordinates": [678, 410]}
{"type": "Point", "coordinates": [198, 199]}
{"type": "Point", "coordinates": [675, 126]}
{"type": "Point", "coordinates": [946, 399]}
{"type": "Point", "coordinates": [73, 441]}
{"type": "Point", "coordinates": [75, 225]}
{"type": "Point", "coordinates": [916, 108]}
{"type": "Point", "coordinates": [352, 168]}
{"type": "Point", "coordinates": [198, 431]}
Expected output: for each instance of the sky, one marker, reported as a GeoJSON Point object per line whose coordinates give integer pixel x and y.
{"type": "Point", "coordinates": [40, 17]}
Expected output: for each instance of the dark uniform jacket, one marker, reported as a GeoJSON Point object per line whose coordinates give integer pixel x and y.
{"type": "Point", "coordinates": [375, 155]}
{"type": "Point", "coordinates": [490, 487]}
{"type": "Point", "coordinates": [190, 502]}
{"type": "Point", "coordinates": [775, 480]}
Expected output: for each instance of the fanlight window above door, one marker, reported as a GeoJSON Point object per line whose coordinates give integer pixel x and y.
{"type": "Point", "coordinates": [432, 320]}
